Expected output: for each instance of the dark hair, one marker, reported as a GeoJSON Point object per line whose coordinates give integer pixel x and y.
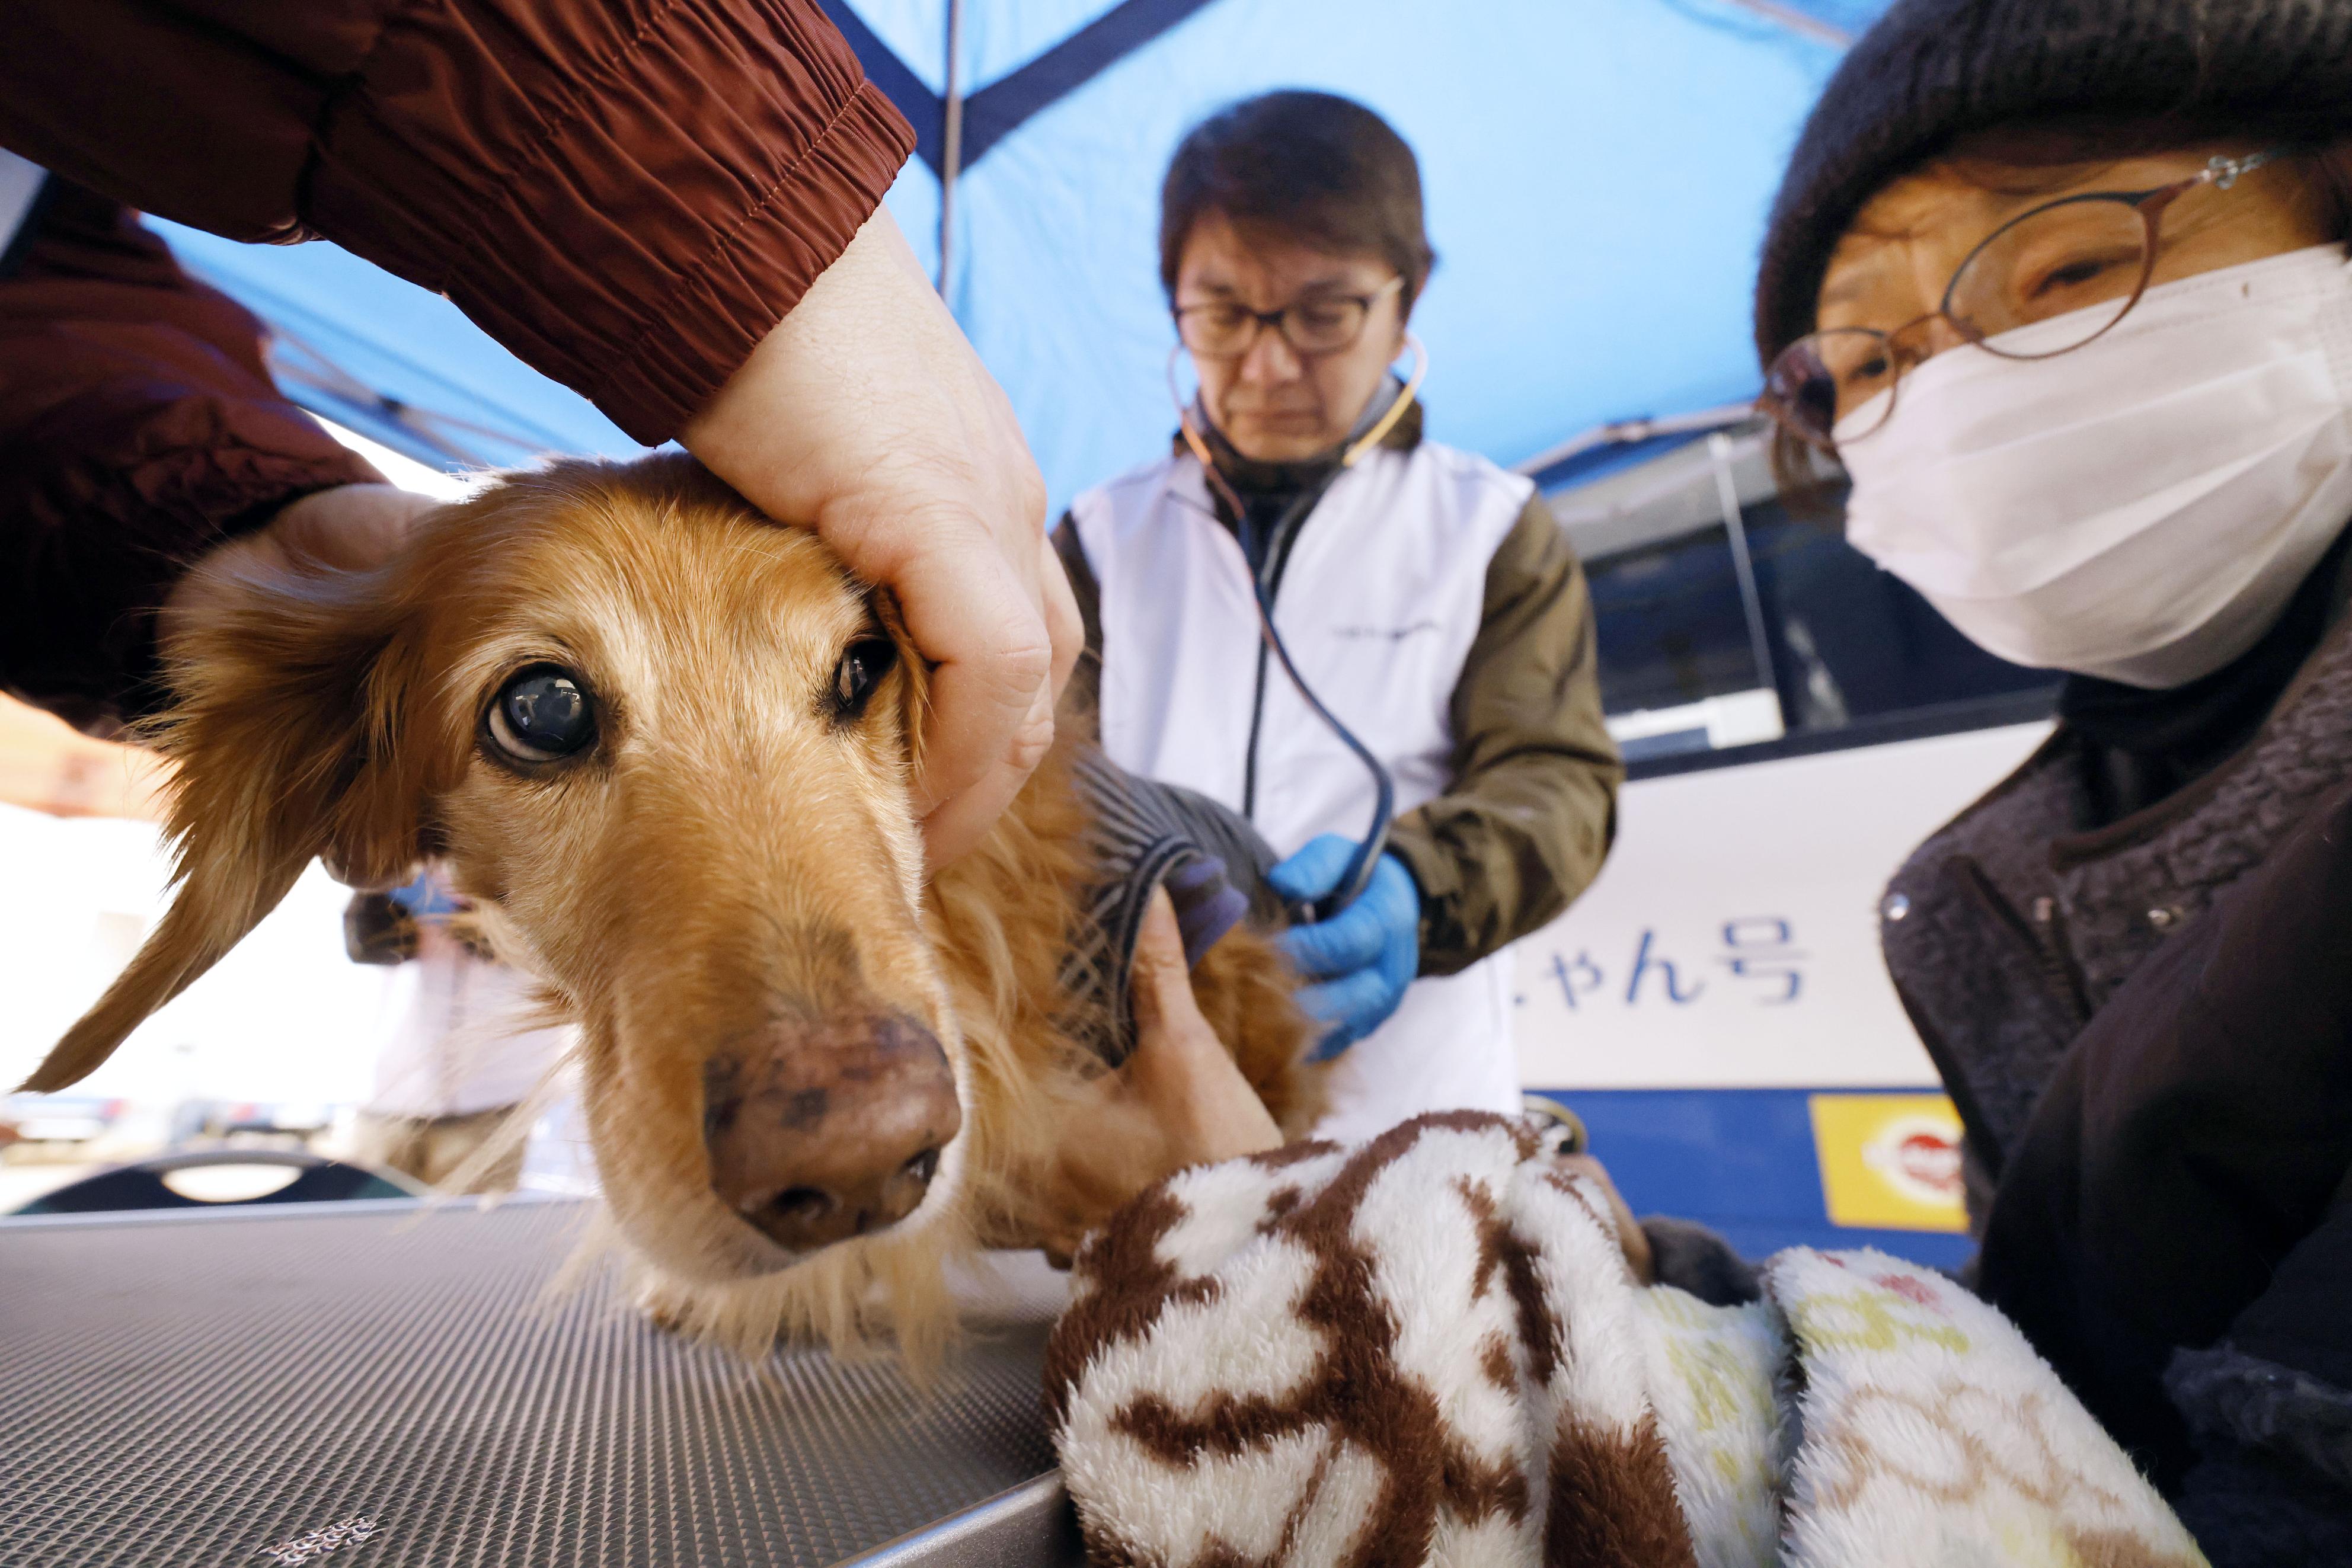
{"type": "Point", "coordinates": [1311, 167]}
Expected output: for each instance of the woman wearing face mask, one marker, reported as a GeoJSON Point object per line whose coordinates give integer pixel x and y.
{"type": "Point", "coordinates": [1427, 597]}
{"type": "Point", "coordinates": [2066, 291]}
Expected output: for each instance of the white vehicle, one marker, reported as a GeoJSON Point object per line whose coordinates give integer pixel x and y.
{"type": "Point", "coordinates": [1715, 1007]}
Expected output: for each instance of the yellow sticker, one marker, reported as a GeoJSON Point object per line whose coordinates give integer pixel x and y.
{"type": "Point", "coordinates": [1890, 1161]}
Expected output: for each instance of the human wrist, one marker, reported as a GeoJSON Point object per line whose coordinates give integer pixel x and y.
{"type": "Point", "coordinates": [734, 431]}
{"type": "Point", "coordinates": [1408, 855]}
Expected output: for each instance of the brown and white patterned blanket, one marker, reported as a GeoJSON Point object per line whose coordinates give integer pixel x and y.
{"type": "Point", "coordinates": [1429, 1350]}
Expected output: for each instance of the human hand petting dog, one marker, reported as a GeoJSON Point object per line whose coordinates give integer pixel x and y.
{"type": "Point", "coordinates": [1178, 1101]}
{"type": "Point", "coordinates": [866, 415]}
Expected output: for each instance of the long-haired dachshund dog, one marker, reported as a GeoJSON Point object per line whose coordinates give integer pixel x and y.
{"type": "Point", "coordinates": [665, 746]}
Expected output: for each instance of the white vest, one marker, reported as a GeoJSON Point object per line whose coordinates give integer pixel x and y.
{"type": "Point", "coordinates": [1382, 594]}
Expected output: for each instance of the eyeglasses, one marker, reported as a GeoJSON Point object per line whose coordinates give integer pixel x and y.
{"type": "Point", "coordinates": [1325, 324]}
{"type": "Point", "coordinates": [2087, 257]}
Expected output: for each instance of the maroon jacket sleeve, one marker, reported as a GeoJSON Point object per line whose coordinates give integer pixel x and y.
{"type": "Point", "coordinates": [138, 429]}
{"type": "Point", "coordinates": [627, 193]}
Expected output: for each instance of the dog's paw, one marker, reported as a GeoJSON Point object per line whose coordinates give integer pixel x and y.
{"type": "Point", "coordinates": [664, 1306]}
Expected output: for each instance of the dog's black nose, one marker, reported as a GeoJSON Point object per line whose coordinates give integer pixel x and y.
{"type": "Point", "coordinates": [831, 1128]}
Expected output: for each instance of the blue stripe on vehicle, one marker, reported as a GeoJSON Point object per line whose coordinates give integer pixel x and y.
{"type": "Point", "coordinates": [1741, 1162]}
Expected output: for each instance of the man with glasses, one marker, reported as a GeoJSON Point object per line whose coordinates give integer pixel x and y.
{"type": "Point", "coordinates": [1427, 599]}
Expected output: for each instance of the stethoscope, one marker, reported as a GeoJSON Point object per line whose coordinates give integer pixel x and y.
{"type": "Point", "coordinates": [1357, 873]}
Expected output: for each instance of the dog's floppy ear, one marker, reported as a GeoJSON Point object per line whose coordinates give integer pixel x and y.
{"type": "Point", "coordinates": [286, 733]}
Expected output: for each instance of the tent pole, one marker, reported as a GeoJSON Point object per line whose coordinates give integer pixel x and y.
{"type": "Point", "coordinates": [951, 139]}
{"type": "Point", "coordinates": [1797, 22]}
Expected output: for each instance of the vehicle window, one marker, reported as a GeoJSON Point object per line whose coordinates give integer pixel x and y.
{"type": "Point", "coordinates": [1691, 662]}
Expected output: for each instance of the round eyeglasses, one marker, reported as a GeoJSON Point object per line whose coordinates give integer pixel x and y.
{"type": "Point", "coordinates": [1320, 324]}
{"type": "Point", "coordinates": [2087, 258]}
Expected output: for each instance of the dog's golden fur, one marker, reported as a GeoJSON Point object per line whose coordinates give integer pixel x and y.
{"type": "Point", "coordinates": [730, 848]}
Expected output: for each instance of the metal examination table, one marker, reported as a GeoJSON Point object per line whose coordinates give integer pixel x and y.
{"type": "Point", "coordinates": [372, 1386]}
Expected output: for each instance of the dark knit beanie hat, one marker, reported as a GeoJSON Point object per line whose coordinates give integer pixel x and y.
{"type": "Point", "coordinates": [1932, 70]}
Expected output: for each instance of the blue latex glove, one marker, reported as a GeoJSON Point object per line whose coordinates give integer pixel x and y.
{"type": "Point", "coordinates": [1363, 957]}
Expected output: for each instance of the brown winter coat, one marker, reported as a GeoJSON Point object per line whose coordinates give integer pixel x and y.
{"type": "Point", "coordinates": [2129, 963]}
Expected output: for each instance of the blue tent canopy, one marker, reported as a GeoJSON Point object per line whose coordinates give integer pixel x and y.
{"type": "Point", "coordinates": [1597, 175]}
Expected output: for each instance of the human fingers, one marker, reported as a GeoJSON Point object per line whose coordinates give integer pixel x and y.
{"type": "Point", "coordinates": [1353, 1005]}
{"type": "Point", "coordinates": [1180, 1071]}
{"type": "Point", "coordinates": [975, 605]}
{"type": "Point", "coordinates": [974, 602]}
{"type": "Point", "coordinates": [1631, 1239]}
{"type": "Point", "coordinates": [954, 826]}
{"type": "Point", "coordinates": [1064, 625]}
{"type": "Point", "coordinates": [1315, 870]}
{"type": "Point", "coordinates": [866, 415]}
{"type": "Point", "coordinates": [1178, 1063]}
{"type": "Point", "coordinates": [1349, 941]}
{"type": "Point", "coordinates": [1159, 982]}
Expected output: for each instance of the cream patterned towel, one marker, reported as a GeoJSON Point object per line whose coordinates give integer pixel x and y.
{"type": "Point", "coordinates": [1429, 1350]}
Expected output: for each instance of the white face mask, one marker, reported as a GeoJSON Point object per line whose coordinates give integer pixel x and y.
{"type": "Point", "coordinates": [2141, 509]}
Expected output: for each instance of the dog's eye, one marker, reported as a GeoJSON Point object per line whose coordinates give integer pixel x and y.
{"type": "Point", "coordinates": [863, 664]}
{"type": "Point", "coordinates": [542, 714]}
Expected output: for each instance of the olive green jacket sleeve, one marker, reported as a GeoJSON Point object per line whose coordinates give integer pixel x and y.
{"type": "Point", "coordinates": [1533, 807]}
